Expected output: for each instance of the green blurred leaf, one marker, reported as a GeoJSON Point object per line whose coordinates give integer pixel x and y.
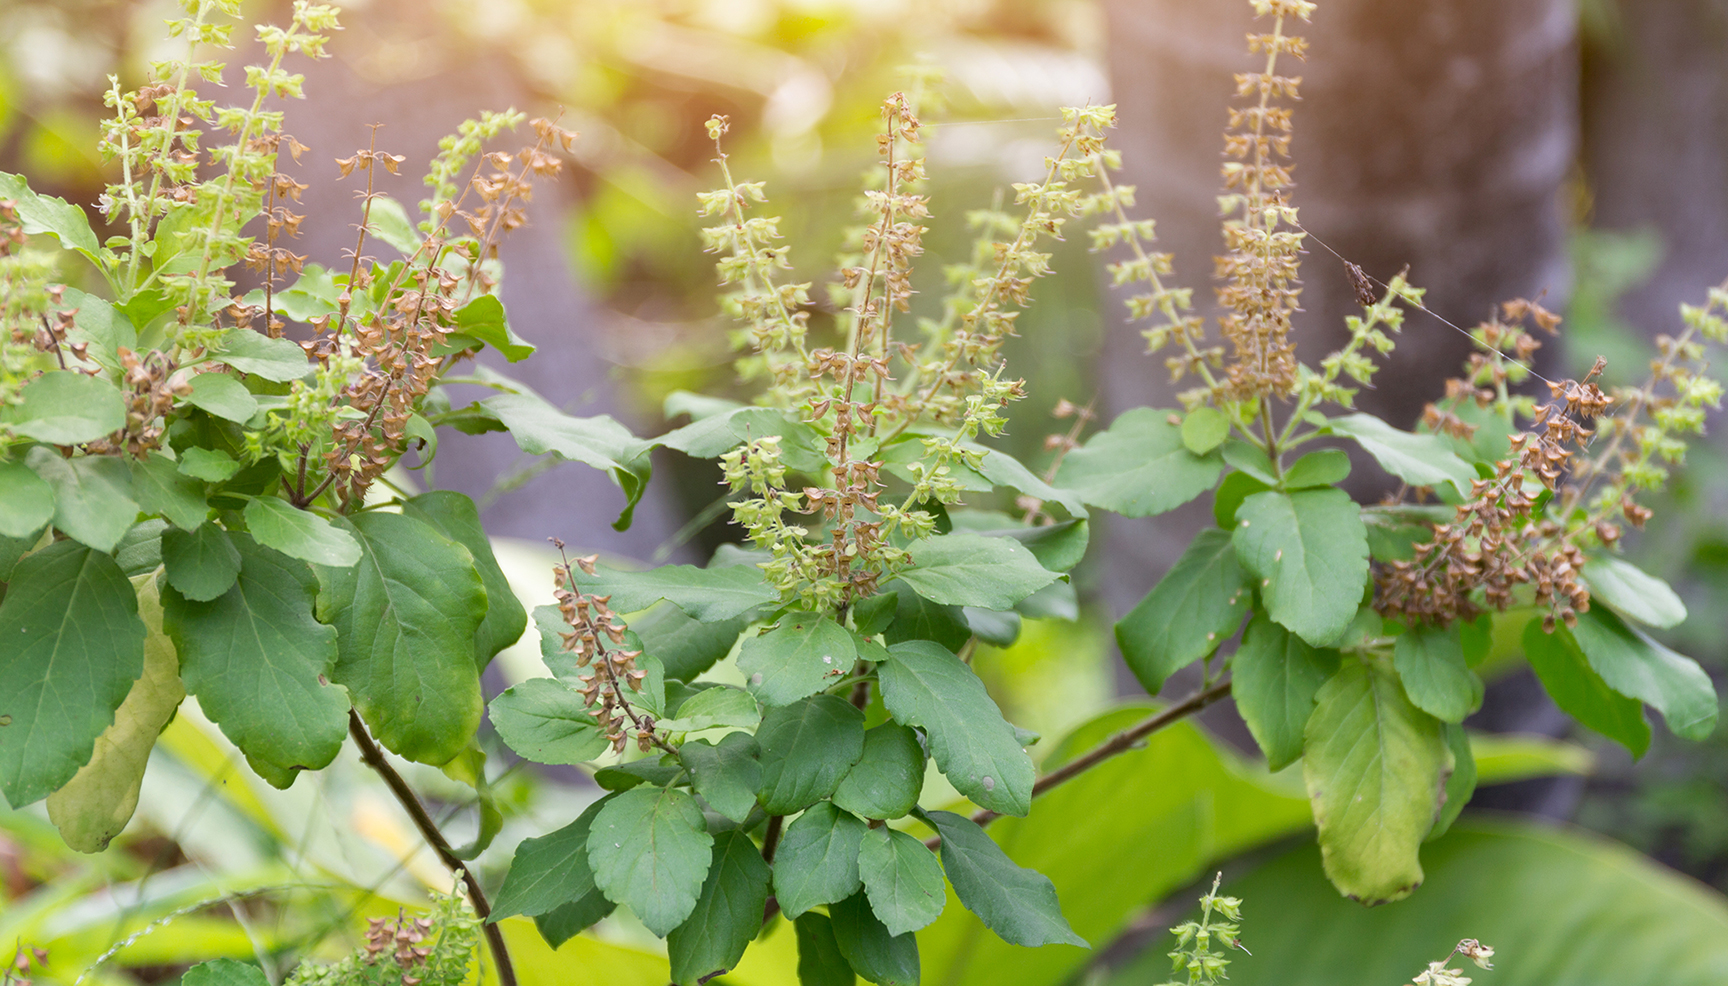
{"type": "Point", "coordinates": [1638, 667]}
{"type": "Point", "coordinates": [1204, 429]}
{"type": "Point", "coordinates": [1274, 678]}
{"type": "Point", "coordinates": [162, 488]}
{"type": "Point", "coordinates": [93, 501]}
{"type": "Point", "coordinates": [649, 852]}
{"type": "Point", "coordinates": [727, 776]}
{"type": "Point", "coordinates": [405, 618]}
{"type": "Point", "coordinates": [50, 214]}
{"type": "Point", "coordinates": [971, 570]}
{"type": "Point", "coordinates": [1375, 766]}
{"type": "Point", "coordinates": [388, 221]}
{"type": "Point", "coordinates": [26, 501]}
{"type": "Point", "coordinates": [546, 721]}
{"type": "Point", "coordinates": [796, 658]}
{"type": "Point", "coordinates": [1580, 691]}
{"type": "Point", "coordinates": [1460, 784]}
{"type": "Point", "coordinates": [1633, 592]}
{"type": "Point", "coordinates": [925, 685]}
{"type": "Point", "coordinates": [728, 913]}
{"type": "Point", "coordinates": [1139, 466]}
{"type": "Point", "coordinates": [260, 664]}
{"type": "Point", "coordinates": [1430, 662]}
{"type": "Point", "coordinates": [1196, 606]}
{"type": "Point", "coordinates": [807, 747]}
{"type": "Point", "coordinates": [886, 782]}
{"type": "Point", "coordinates": [819, 960]}
{"type": "Point", "coordinates": [300, 534]}
{"type": "Point", "coordinates": [222, 395]}
{"type": "Point", "coordinates": [1322, 468]}
{"type": "Point", "coordinates": [201, 565]}
{"type": "Point", "coordinates": [710, 595]}
{"type": "Point", "coordinates": [224, 972]}
{"type": "Point", "coordinates": [74, 647]}
{"type": "Point", "coordinates": [710, 707]}
{"type": "Point", "coordinates": [901, 879]}
{"type": "Point", "coordinates": [1310, 552]}
{"type": "Point", "coordinates": [101, 327]}
{"type": "Point", "coordinates": [276, 360]}
{"type": "Point", "coordinates": [1236, 487]}
{"type": "Point", "coordinates": [600, 441]}
{"type": "Point", "coordinates": [917, 618]}
{"type": "Point", "coordinates": [483, 318]}
{"type": "Point", "coordinates": [209, 465]}
{"type": "Point", "coordinates": [686, 647]}
{"type": "Point", "coordinates": [817, 861]}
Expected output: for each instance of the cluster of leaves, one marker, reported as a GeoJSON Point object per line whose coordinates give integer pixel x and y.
{"type": "Point", "coordinates": [1361, 626]}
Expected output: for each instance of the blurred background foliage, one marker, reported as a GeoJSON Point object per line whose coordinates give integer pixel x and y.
{"type": "Point", "coordinates": [218, 864]}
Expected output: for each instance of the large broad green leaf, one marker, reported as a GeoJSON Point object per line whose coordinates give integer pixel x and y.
{"type": "Point", "coordinates": [819, 960]}
{"type": "Point", "coordinates": [1580, 691]}
{"type": "Point", "coordinates": [727, 775]}
{"type": "Point", "coordinates": [99, 800]}
{"type": "Point", "coordinates": [972, 570]}
{"type": "Point", "coordinates": [1430, 662]}
{"type": "Point", "coordinates": [901, 880]}
{"type": "Point", "coordinates": [1002, 469]}
{"type": "Point", "coordinates": [26, 501]}
{"type": "Point", "coordinates": [686, 647]}
{"type": "Point", "coordinates": [551, 872]}
{"type": "Point", "coordinates": [720, 705]}
{"type": "Point", "coordinates": [276, 360]}
{"type": "Point", "coordinates": [650, 852]}
{"type": "Point", "coordinates": [1139, 466]}
{"type": "Point", "coordinates": [93, 502]}
{"type": "Point", "coordinates": [1057, 547]}
{"type": "Point", "coordinates": [223, 395]}
{"type": "Point", "coordinates": [728, 913]}
{"type": "Point", "coordinates": [1016, 903]}
{"type": "Point", "coordinates": [1420, 460]}
{"type": "Point", "coordinates": [260, 664]}
{"type": "Point", "coordinates": [1558, 906]}
{"type": "Point", "coordinates": [201, 565]}
{"type": "Point", "coordinates": [925, 685]}
{"type": "Point", "coordinates": [917, 618]}
{"type": "Point", "coordinates": [546, 721]}
{"type": "Point", "coordinates": [601, 442]}
{"type": "Point", "coordinates": [807, 747]}
{"type": "Point", "coordinates": [483, 319]}
{"type": "Point", "coordinates": [163, 489]}
{"type": "Point", "coordinates": [710, 595]}
{"type": "Point", "coordinates": [74, 646]}
{"type": "Point", "coordinates": [1274, 677]}
{"type": "Point", "coordinates": [300, 534]}
{"type": "Point", "coordinates": [405, 618]}
{"type": "Point", "coordinates": [817, 861]}
{"type": "Point", "coordinates": [873, 953]}
{"type": "Point", "coordinates": [52, 215]}
{"type": "Point", "coordinates": [1375, 766]}
{"type": "Point", "coordinates": [887, 781]}
{"type": "Point", "coordinates": [1633, 592]}
{"type": "Point", "coordinates": [455, 517]}
{"type": "Point", "coordinates": [1196, 606]}
{"type": "Point", "coordinates": [1638, 667]}
{"type": "Point", "coordinates": [799, 657]}
{"type": "Point", "coordinates": [1309, 552]}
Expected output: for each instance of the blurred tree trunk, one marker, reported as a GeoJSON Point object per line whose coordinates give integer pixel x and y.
{"type": "Point", "coordinates": [1430, 134]}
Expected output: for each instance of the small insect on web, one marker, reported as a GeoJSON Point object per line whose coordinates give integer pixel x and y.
{"type": "Point", "coordinates": [1364, 288]}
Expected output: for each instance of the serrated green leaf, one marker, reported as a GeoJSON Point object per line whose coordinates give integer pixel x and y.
{"type": "Point", "coordinates": [728, 913]}
{"type": "Point", "coordinates": [52, 215]}
{"type": "Point", "coordinates": [276, 360]}
{"type": "Point", "coordinates": [799, 657]}
{"type": "Point", "coordinates": [1430, 662]}
{"type": "Point", "coordinates": [98, 801]}
{"type": "Point", "coordinates": [483, 318]}
{"type": "Point", "coordinates": [1580, 692]}
{"type": "Point", "coordinates": [817, 861]}
{"type": "Point", "coordinates": [201, 565]}
{"type": "Point", "coordinates": [551, 872]}
{"type": "Point", "coordinates": [1633, 592]}
{"type": "Point", "coordinates": [100, 327]}
{"type": "Point", "coordinates": [819, 960]}
{"type": "Point", "coordinates": [1460, 784]}
{"type": "Point", "coordinates": [886, 781]}
{"type": "Point", "coordinates": [1323, 468]}
{"type": "Point", "coordinates": [224, 396]}
{"type": "Point", "coordinates": [405, 618]}
{"type": "Point", "coordinates": [74, 647]}
{"type": "Point", "coordinates": [600, 442]}
{"type": "Point", "coordinates": [1196, 606]}
{"type": "Point", "coordinates": [1139, 466]}
{"type": "Point", "coordinates": [26, 501]}
{"type": "Point", "coordinates": [547, 722]}
{"type": "Point", "coordinates": [1638, 667]}
{"type": "Point", "coordinates": [686, 647]}
{"type": "Point", "coordinates": [1274, 677]}
{"type": "Point", "coordinates": [1375, 766]}
{"type": "Point", "coordinates": [901, 879]}
{"type": "Point", "coordinates": [300, 534]}
{"type": "Point", "coordinates": [710, 595]}
{"type": "Point", "coordinates": [140, 551]}
{"type": "Point", "coordinates": [1420, 460]}
{"type": "Point", "coordinates": [807, 747]}
{"type": "Point", "coordinates": [925, 685]}
{"type": "Point", "coordinates": [727, 776]}
{"type": "Point", "coordinates": [260, 664]}
{"type": "Point", "coordinates": [93, 502]}
{"type": "Point", "coordinates": [453, 515]}
{"type": "Point", "coordinates": [873, 953]}
{"type": "Point", "coordinates": [163, 489]}
{"type": "Point", "coordinates": [972, 570]}
{"type": "Point", "coordinates": [711, 707]}
{"type": "Point", "coordinates": [1204, 429]}
{"type": "Point", "coordinates": [209, 465]}
{"type": "Point", "coordinates": [649, 852]}
{"type": "Point", "coordinates": [1017, 903]}
{"type": "Point", "coordinates": [1236, 487]}
{"type": "Point", "coordinates": [1310, 552]}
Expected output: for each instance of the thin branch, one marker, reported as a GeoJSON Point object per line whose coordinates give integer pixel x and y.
{"type": "Point", "coordinates": [374, 757]}
{"type": "Point", "coordinates": [771, 838]}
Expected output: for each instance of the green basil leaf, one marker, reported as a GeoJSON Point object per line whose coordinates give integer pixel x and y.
{"type": "Point", "coordinates": [886, 782]}
{"type": "Point", "coordinates": [201, 565]}
{"type": "Point", "coordinates": [728, 775]}
{"type": "Point", "coordinates": [710, 595]}
{"type": "Point", "coordinates": [817, 861]}
{"type": "Point", "coordinates": [276, 360]}
{"type": "Point", "coordinates": [93, 501]}
{"type": "Point", "coordinates": [1139, 466]}
{"type": "Point", "coordinates": [728, 912]}
{"type": "Point", "coordinates": [1417, 459]}
{"type": "Point", "coordinates": [873, 953]}
{"type": "Point", "coordinates": [1580, 691]}
{"type": "Point", "coordinates": [901, 879]}
{"type": "Point", "coordinates": [454, 515]}
{"type": "Point", "coordinates": [649, 852]}
{"type": "Point", "coordinates": [819, 960]}
{"type": "Point", "coordinates": [300, 534]}
{"type": "Point", "coordinates": [551, 871]}
{"type": "Point", "coordinates": [163, 489]}
{"type": "Point", "coordinates": [1638, 667]}
{"type": "Point", "coordinates": [797, 658]}
{"type": "Point", "coordinates": [546, 721]}
{"type": "Point", "coordinates": [1274, 678]}
{"type": "Point", "coordinates": [925, 685]}
{"type": "Point", "coordinates": [1430, 661]}
{"type": "Point", "coordinates": [1310, 552]}
{"type": "Point", "coordinates": [26, 501]}
{"type": "Point", "coordinates": [1634, 593]}
{"type": "Point", "coordinates": [1196, 606]}
{"type": "Point", "coordinates": [807, 747]}
{"type": "Point", "coordinates": [971, 570]}
{"type": "Point", "coordinates": [1017, 903]}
